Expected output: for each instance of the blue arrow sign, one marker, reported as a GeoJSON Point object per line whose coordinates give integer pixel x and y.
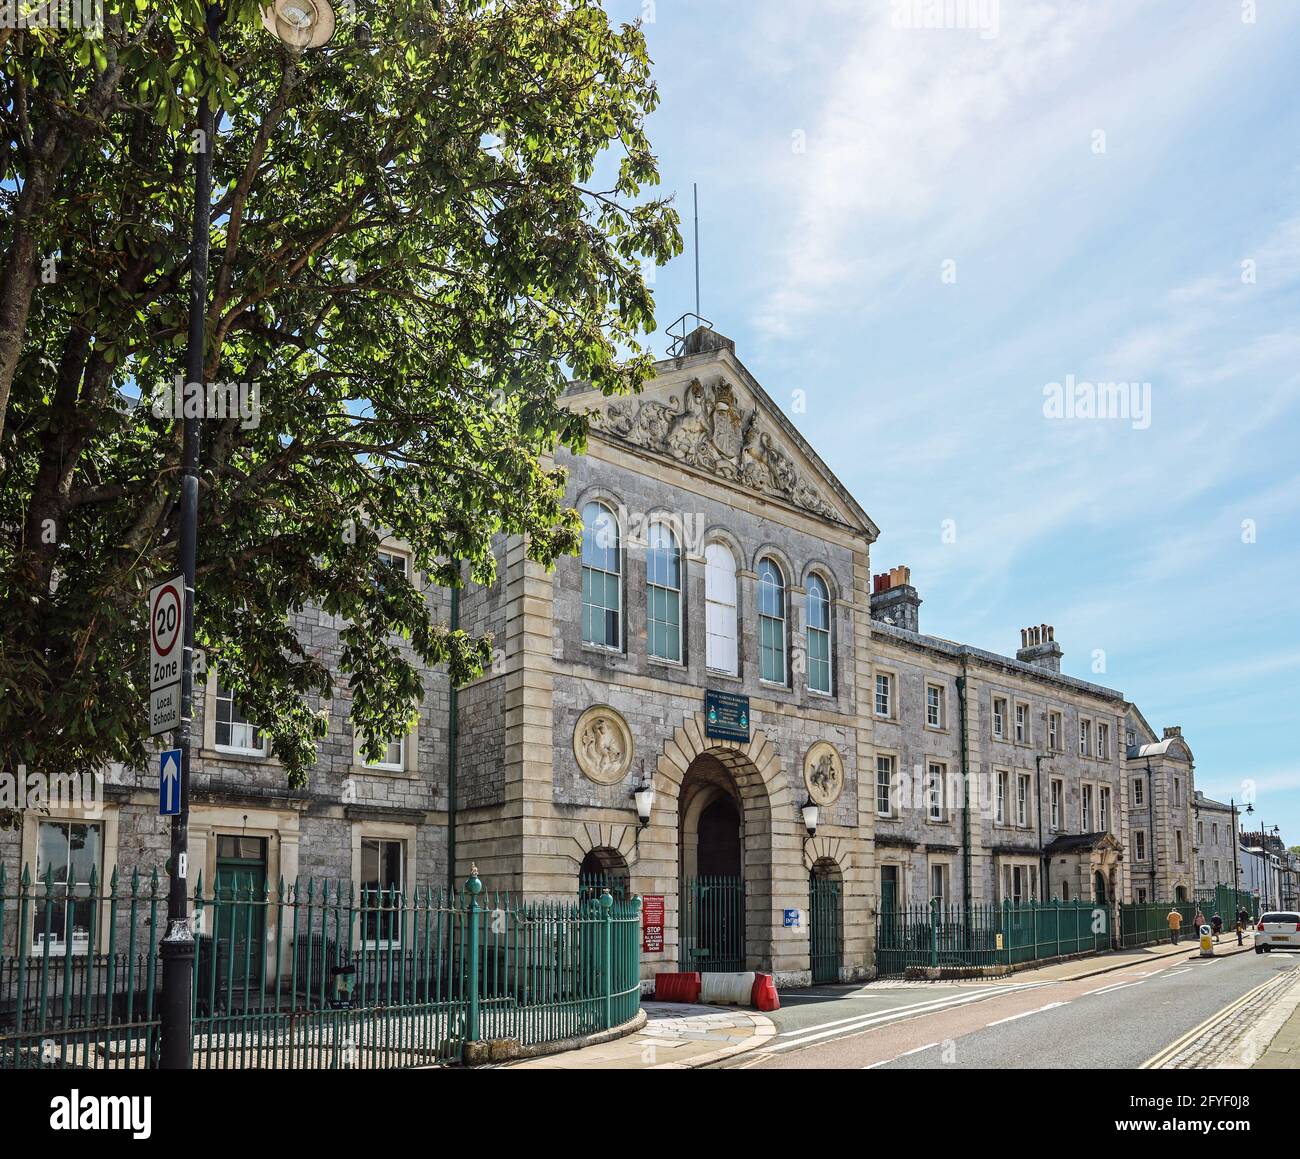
{"type": "Point", "coordinates": [169, 782]}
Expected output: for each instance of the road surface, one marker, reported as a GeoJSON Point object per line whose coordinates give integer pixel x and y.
{"type": "Point", "coordinates": [1114, 1020]}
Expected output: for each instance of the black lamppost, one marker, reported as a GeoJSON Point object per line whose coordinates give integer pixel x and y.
{"type": "Point", "coordinates": [299, 24]}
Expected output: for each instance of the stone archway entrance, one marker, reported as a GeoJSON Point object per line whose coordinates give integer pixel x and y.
{"type": "Point", "coordinates": [726, 806]}
{"type": "Point", "coordinates": [712, 882]}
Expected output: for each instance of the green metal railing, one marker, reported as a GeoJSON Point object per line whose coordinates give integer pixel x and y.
{"type": "Point", "coordinates": [1143, 923]}
{"type": "Point", "coordinates": [79, 970]}
{"type": "Point", "coordinates": [308, 975]}
{"type": "Point", "coordinates": [985, 936]}
{"type": "Point", "coordinates": [713, 924]}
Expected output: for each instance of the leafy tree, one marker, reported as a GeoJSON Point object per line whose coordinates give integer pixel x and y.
{"type": "Point", "coordinates": [419, 233]}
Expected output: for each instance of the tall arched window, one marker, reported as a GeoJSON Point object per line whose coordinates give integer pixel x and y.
{"type": "Point", "coordinates": [771, 622]}
{"type": "Point", "coordinates": [819, 635]}
{"type": "Point", "coordinates": [720, 609]}
{"type": "Point", "coordinates": [602, 587]}
{"type": "Point", "coordinates": [663, 573]}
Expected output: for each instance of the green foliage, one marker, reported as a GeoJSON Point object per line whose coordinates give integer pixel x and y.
{"type": "Point", "coordinates": [412, 253]}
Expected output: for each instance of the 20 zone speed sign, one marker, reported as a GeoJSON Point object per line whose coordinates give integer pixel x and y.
{"type": "Point", "coordinates": [166, 621]}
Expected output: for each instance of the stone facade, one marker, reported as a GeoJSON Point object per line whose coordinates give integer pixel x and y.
{"type": "Point", "coordinates": [1044, 819]}
{"type": "Point", "coordinates": [935, 768]}
{"type": "Point", "coordinates": [704, 452]}
{"type": "Point", "coordinates": [1213, 843]}
{"type": "Point", "coordinates": [1160, 795]}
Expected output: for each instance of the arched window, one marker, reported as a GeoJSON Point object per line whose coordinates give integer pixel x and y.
{"type": "Point", "coordinates": [720, 609]}
{"type": "Point", "coordinates": [771, 622]}
{"type": "Point", "coordinates": [663, 573]}
{"type": "Point", "coordinates": [819, 635]}
{"type": "Point", "coordinates": [602, 586]}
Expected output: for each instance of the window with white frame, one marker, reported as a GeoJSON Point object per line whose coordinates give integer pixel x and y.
{"type": "Point", "coordinates": [884, 694]}
{"type": "Point", "coordinates": [69, 853]}
{"type": "Point", "coordinates": [383, 866]}
{"type": "Point", "coordinates": [663, 572]}
{"type": "Point", "coordinates": [602, 578]}
{"type": "Point", "coordinates": [721, 653]}
{"type": "Point", "coordinates": [1022, 724]}
{"type": "Point", "coordinates": [1139, 792]}
{"type": "Point", "coordinates": [939, 882]}
{"type": "Point", "coordinates": [771, 622]}
{"type": "Point", "coordinates": [1058, 804]}
{"type": "Point", "coordinates": [1022, 800]}
{"type": "Point", "coordinates": [1000, 807]}
{"type": "Point", "coordinates": [1140, 845]}
{"type": "Point", "coordinates": [884, 786]}
{"type": "Point", "coordinates": [1054, 731]}
{"type": "Point", "coordinates": [1103, 809]}
{"type": "Point", "coordinates": [1085, 809]}
{"type": "Point", "coordinates": [394, 758]}
{"type": "Point", "coordinates": [1019, 883]}
{"type": "Point", "coordinates": [999, 717]}
{"type": "Point", "coordinates": [1085, 738]}
{"type": "Point", "coordinates": [1103, 741]}
{"type": "Point", "coordinates": [934, 791]}
{"type": "Point", "coordinates": [934, 707]}
{"type": "Point", "coordinates": [234, 732]}
{"type": "Point", "coordinates": [818, 611]}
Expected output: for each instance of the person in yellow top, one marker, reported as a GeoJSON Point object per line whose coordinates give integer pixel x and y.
{"type": "Point", "coordinates": [1175, 920]}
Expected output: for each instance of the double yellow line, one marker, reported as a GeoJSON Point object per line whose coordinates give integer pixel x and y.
{"type": "Point", "coordinates": [1157, 1061]}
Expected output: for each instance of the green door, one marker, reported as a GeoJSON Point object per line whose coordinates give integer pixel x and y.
{"type": "Point", "coordinates": [239, 920]}
{"type": "Point", "coordinates": [825, 928]}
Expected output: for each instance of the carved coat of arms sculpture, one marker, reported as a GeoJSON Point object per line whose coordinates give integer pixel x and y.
{"type": "Point", "coordinates": [709, 429]}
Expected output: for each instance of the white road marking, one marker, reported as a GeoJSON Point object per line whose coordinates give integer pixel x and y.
{"type": "Point", "coordinates": [1026, 1014]}
{"type": "Point", "coordinates": [1175, 973]}
{"type": "Point", "coordinates": [1112, 989]}
{"type": "Point", "coordinates": [887, 1061]}
{"type": "Point", "coordinates": [810, 1034]}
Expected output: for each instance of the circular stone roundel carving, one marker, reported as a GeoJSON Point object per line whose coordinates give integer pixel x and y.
{"type": "Point", "coordinates": [602, 744]}
{"type": "Point", "coordinates": [823, 773]}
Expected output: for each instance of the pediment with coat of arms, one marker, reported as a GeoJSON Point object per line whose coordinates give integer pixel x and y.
{"type": "Point", "coordinates": [710, 428]}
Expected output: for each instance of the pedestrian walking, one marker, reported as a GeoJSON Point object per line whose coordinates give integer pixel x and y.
{"type": "Point", "coordinates": [1175, 920]}
{"type": "Point", "coordinates": [1216, 926]}
{"type": "Point", "coordinates": [1199, 920]}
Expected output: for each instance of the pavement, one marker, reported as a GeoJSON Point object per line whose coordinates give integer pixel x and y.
{"type": "Point", "coordinates": [1283, 1051]}
{"type": "Point", "coordinates": [678, 1036]}
{"type": "Point", "coordinates": [675, 1037]}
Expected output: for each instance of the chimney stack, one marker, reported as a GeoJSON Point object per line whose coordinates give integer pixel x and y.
{"type": "Point", "coordinates": [1173, 730]}
{"type": "Point", "coordinates": [1038, 647]}
{"type": "Point", "coordinates": [894, 600]}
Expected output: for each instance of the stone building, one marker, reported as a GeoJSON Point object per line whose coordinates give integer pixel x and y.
{"type": "Point", "coordinates": [709, 645]}
{"type": "Point", "coordinates": [1038, 753]}
{"type": "Point", "coordinates": [717, 706]}
{"type": "Point", "coordinates": [1160, 794]}
{"type": "Point", "coordinates": [1213, 844]}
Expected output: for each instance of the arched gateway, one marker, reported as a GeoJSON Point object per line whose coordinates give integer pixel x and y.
{"type": "Point", "coordinates": [726, 812]}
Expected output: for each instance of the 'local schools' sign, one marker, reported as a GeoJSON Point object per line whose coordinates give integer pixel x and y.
{"type": "Point", "coordinates": [726, 715]}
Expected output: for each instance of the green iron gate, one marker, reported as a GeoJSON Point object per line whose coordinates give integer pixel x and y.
{"type": "Point", "coordinates": [825, 928]}
{"type": "Point", "coordinates": [713, 924]}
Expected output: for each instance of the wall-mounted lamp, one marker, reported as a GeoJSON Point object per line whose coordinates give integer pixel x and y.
{"type": "Point", "coordinates": [810, 812]}
{"type": "Point", "coordinates": [644, 796]}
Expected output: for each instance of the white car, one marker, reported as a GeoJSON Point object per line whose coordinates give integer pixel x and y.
{"type": "Point", "coordinates": [1277, 930]}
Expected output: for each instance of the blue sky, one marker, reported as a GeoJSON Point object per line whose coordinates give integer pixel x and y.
{"type": "Point", "coordinates": [842, 161]}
